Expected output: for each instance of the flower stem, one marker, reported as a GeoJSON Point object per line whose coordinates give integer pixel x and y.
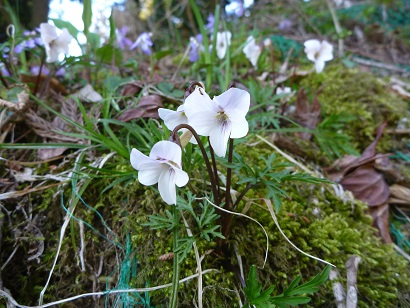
{"type": "Point", "coordinates": [229, 177]}
{"type": "Point", "coordinates": [175, 267]}
{"type": "Point", "coordinates": [226, 218]}
{"type": "Point", "coordinates": [174, 135]}
{"type": "Point", "coordinates": [211, 150]}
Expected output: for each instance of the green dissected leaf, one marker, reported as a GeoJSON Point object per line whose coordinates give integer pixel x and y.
{"type": "Point", "coordinates": [61, 24]}
{"type": "Point", "coordinates": [292, 296]}
{"type": "Point", "coordinates": [311, 286]}
{"type": "Point", "coordinates": [160, 222]}
{"type": "Point", "coordinates": [253, 290]}
{"type": "Point", "coordinates": [289, 301]}
{"type": "Point", "coordinates": [185, 245]}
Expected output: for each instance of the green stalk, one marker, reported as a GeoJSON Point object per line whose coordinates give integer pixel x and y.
{"type": "Point", "coordinates": [205, 41]}
{"type": "Point", "coordinates": [175, 267]}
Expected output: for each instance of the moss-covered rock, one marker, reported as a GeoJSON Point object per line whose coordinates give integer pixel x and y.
{"type": "Point", "coordinates": [360, 94]}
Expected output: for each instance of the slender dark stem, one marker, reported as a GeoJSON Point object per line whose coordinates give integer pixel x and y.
{"type": "Point", "coordinates": [229, 177]}
{"type": "Point", "coordinates": [39, 73]}
{"type": "Point", "coordinates": [174, 135]}
{"type": "Point", "coordinates": [211, 150]}
{"type": "Point", "coordinates": [247, 188]}
{"type": "Point", "coordinates": [232, 217]}
{"type": "Point", "coordinates": [175, 267]}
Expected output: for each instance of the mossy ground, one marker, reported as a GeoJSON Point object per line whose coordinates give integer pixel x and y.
{"type": "Point", "coordinates": [312, 217]}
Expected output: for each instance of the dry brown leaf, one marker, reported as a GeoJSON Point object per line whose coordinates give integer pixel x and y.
{"type": "Point", "coordinates": [380, 216]}
{"type": "Point", "coordinates": [147, 108]}
{"type": "Point", "coordinates": [307, 114]}
{"type": "Point", "coordinates": [54, 84]}
{"type": "Point", "coordinates": [131, 89]}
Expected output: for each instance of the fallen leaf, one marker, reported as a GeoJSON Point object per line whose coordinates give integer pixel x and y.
{"type": "Point", "coordinates": [87, 93]}
{"type": "Point", "coordinates": [307, 114]}
{"type": "Point", "coordinates": [147, 108]}
{"type": "Point", "coordinates": [380, 216]}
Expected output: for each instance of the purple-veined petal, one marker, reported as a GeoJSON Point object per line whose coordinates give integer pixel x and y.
{"type": "Point", "coordinates": [150, 176]}
{"type": "Point", "coordinates": [234, 99]}
{"type": "Point", "coordinates": [219, 137]}
{"type": "Point", "coordinates": [240, 128]}
{"type": "Point", "coordinates": [203, 122]}
{"type": "Point", "coordinates": [166, 150]}
{"type": "Point", "coordinates": [166, 186]}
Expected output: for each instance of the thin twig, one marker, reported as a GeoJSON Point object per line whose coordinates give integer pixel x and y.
{"type": "Point", "coordinates": [198, 262]}
{"type": "Point", "coordinates": [104, 293]}
{"type": "Point", "coordinates": [246, 216]}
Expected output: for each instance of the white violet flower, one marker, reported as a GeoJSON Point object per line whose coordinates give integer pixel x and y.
{"type": "Point", "coordinates": [223, 40]}
{"type": "Point", "coordinates": [220, 118]}
{"type": "Point", "coordinates": [285, 90]}
{"type": "Point", "coordinates": [318, 52]}
{"type": "Point", "coordinates": [173, 118]}
{"type": "Point", "coordinates": [252, 50]}
{"type": "Point", "coordinates": [54, 43]}
{"type": "Point", "coordinates": [162, 166]}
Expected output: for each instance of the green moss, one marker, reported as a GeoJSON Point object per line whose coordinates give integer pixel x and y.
{"type": "Point", "coordinates": [361, 94]}
{"type": "Point", "coordinates": [339, 230]}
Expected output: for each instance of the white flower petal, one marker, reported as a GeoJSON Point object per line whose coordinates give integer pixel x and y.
{"type": "Point", "coordinates": [203, 122]}
{"type": "Point", "coordinates": [182, 177]}
{"type": "Point", "coordinates": [319, 65]}
{"type": "Point", "coordinates": [137, 158]}
{"type": "Point", "coordinates": [166, 150]}
{"type": "Point", "coordinates": [234, 99]}
{"type": "Point", "coordinates": [326, 52]}
{"type": "Point", "coordinates": [240, 128]}
{"type": "Point", "coordinates": [252, 50]}
{"type": "Point", "coordinates": [223, 40]}
{"type": "Point", "coordinates": [48, 33]}
{"type": "Point", "coordinates": [166, 186]}
{"type": "Point", "coordinates": [311, 48]}
{"type": "Point", "coordinates": [62, 42]}
{"type": "Point", "coordinates": [219, 138]}
{"type": "Point", "coordinates": [198, 101]}
{"type": "Point", "coordinates": [52, 55]}
{"type": "Point", "coordinates": [150, 176]}
{"type": "Point", "coordinates": [172, 118]}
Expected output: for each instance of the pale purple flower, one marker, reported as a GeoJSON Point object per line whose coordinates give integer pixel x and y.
{"type": "Point", "coordinates": [220, 118]}
{"type": "Point", "coordinates": [285, 25]}
{"type": "Point", "coordinates": [211, 21]}
{"type": "Point", "coordinates": [32, 41]}
{"type": "Point", "coordinates": [123, 41]}
{"type": "Point", "coordinates": [144, 42]}
{"type": "Point", "coordinates": [162, 166]}
{"type": "Point", "coordinates": [195, 47]}
{"type": "Point", "coordinates": [4, 71]}
{"type": "Point", "coordinates": [35, 70]}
